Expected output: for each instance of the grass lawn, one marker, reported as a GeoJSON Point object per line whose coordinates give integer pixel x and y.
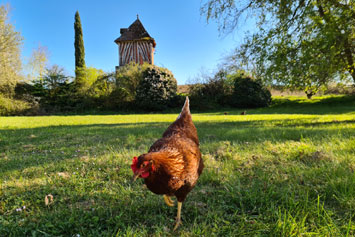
{"type": "Point", "coordinates": [287, 170]}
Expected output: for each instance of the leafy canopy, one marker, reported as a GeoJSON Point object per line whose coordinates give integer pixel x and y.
{"type": "Point", "coordinates": [37, 63]}
{"type": "Point", "coordinates": [301, 44]}
{"type": "Point", "coordinates": [10, 53]}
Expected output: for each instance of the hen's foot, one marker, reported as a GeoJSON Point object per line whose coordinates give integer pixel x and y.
{"type": "Point", "coordinates": [177, 224]}
{"type": "Point", "coordinates": [168, 201]}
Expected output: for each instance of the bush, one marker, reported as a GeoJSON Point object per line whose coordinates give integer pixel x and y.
{"type": "Point", "coordinates": [10, 106]}
{"type": "Point", "coordinates": [249, 93]}
{"type": "Point", "coordinates": [201, 94]}
{"type": "Point", "coordinates": [177, 101]}
{"type": "Point", "coordinates": [156, 90]}
{"type": "Point", "coordinates": [87, 78]}
{"type": "Point", "coordinates": [104, 93]}
{"type": "Point", "coordinates": [128, 78]}
{"type": "Point", "coordinates": [339, 89]}
{"type": "Point", "coordinates": [213, 92]}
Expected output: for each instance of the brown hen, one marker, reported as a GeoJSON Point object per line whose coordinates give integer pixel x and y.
{"type": "Point", "coordinates": [173, 163]}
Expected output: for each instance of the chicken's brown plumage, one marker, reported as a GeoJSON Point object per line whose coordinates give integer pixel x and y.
{"type": "Point", "coordinates": [173, 163]}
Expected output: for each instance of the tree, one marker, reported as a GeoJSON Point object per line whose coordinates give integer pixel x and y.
{"type": "Point", "coordinates": [301, 44]}
{"type": "Point", "coordinates": [55, 90]}
{"type": "Point", "coordinates": [79, 48]}
{"type": "Point", "coordinates": [54, 77]}
{"type": "Point", "coordinates": [37, 62]}
{"type": "Point", "coordinates": [10, 50]}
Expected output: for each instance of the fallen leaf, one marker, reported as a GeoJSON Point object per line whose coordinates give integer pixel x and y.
{"type": "Point", "coordinates": [48, 199]}
{"type": "Point", "coordinates": [63, 175]}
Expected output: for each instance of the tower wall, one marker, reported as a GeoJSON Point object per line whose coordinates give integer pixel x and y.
{"type": "Point", "coordinates": [136, 51]}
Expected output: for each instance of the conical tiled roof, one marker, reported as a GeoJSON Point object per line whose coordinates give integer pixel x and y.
{"type": "Point", "coordinates": [135, 31]}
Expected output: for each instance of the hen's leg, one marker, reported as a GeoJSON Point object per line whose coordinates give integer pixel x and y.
{"type": "Point", "coordinates": [178, 217]}
{"type": "Point", "coordinates": [168, 201]}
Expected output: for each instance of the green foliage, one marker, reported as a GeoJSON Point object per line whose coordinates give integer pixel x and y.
{"type": "Point", "coordinates": [212, 92]}
{"type": "Point", "coordinates": [11, 106]}
{"type": "Point", "coordinates": [104, 93]}
{"type": "Point", "coordinates": [79, 47]}
{"type": "Point", "coordinates": [339, 88]}
{"type": "Point", "coordinates": [37, 63]}
{"type": "Point", "coordinates": [54, 77]}
{"type": "Point", "coordinates": [57, 92]}
{"type": "Point", "coordinates": [249, 93]}
{"type": "Point", "coordinates": [157, 88]}
{"type": "Point", "coordinates": [95, 89]}
{"type": "Point", "coordinates": [10, 54]}
{"type": "Point", "coordinates": [54, 90]}
{"type": "Point", "coordinates": [88, 76]}
{"type": "Point", "coordinates": [50, 93]}
{"type": "Point", "coordinates": [301, 44]}
{"type": "Point", "coordinates": [128, 78]}
{"type": "Point", "coordinates": [103, 85]}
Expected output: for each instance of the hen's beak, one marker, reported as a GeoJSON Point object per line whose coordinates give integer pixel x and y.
{"type": "Point", "coordinates": [136, 175]}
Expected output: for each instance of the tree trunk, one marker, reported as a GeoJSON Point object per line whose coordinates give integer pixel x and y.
{"type": "Point", "coordinates": [309, 95]}
{"type": "Point", "coordinates": [349, 58]}
{"type": "Point", "coordinates": [352, 73]}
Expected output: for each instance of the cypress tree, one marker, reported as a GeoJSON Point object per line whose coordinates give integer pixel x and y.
{"type": "Point", "coordinates": [79, 47]}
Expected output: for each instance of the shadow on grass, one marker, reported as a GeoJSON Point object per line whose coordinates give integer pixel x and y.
{"type": "Point", "coordinates": [23, 148]}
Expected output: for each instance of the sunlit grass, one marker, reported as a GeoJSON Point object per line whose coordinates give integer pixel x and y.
{"type": "Point", "coordinates": [274, 171]}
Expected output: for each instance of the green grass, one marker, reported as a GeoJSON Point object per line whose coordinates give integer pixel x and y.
{"type": "Point", "coordinates": [287, 170]}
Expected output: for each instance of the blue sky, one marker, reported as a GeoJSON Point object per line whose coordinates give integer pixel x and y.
{"type": "Point", "coordinates": [186, 44]}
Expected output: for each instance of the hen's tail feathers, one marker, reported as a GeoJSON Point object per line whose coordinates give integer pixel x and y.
{"type": "Point", "coordinates": [185, 109]}
{"type": "Point", "coordinates": [183, 124]}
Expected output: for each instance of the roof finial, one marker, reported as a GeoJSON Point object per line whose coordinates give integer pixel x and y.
{"type": "Point", "coordinates": [137, 17]}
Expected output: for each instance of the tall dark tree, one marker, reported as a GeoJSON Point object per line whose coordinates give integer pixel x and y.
{"type": "Point", "coordinates": [303, 43]}
{"type": "Point", "coordinates": [79, 48]}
